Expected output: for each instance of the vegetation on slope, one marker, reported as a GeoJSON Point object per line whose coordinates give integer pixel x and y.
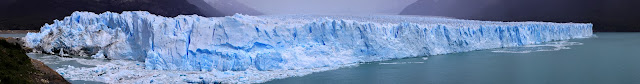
{"type": "Point", "coordinates": [17, 68]}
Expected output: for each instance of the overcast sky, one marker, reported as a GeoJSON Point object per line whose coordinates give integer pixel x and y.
{"type": "Point", "coordinates": [328, 6]}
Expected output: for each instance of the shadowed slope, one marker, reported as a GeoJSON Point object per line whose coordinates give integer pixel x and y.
{"type": "Point", "coordinates": [606, 15]}
{"type": "Point", "coordinates": [32, 14]}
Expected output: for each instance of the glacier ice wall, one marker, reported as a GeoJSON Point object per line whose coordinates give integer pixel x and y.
{"type": "Point", "coordinates": [241, 42]}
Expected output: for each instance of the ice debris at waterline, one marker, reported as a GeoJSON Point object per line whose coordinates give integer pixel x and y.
{"type": "Point", "coordinates": [133, 72]}
{"type": "Point", "coordinates": [548, 46]}
{"type": "Point", "coordinates": [281, 42]}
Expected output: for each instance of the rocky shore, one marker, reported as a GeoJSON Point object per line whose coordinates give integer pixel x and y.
{"type": "Point", "coordinates": [17, 67]}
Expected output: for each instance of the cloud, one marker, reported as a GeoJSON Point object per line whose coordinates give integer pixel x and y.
{"type": "Point", "coordinates": [231, 7]}
{"type": "Point", "coordinates": [328, 6]}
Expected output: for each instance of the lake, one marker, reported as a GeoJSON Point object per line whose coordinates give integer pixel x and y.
{"type": "Point", "coordinates": [609, 58]}
{"type": "Point", "coordinates": [12, 35]}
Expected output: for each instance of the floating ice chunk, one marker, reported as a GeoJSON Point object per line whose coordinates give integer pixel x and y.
{"type": "Point", "coordinates": [133, 72]}
{"type": "Point", "coordinates": [401, 63]}
{"type": "Point", "coordinates": [550, 46]}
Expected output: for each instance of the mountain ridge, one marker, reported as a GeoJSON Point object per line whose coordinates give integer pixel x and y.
{"type": "Point", "coordinates": [32, 14]}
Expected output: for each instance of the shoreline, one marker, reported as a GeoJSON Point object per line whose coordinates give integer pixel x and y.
{"type": "Point", "coordinates": [17, 31]}
{"type": "Point", "coordinates": [22, 68]}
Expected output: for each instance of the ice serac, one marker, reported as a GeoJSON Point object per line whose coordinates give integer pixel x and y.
{"type": "Point", "coordinates": [241, 42]}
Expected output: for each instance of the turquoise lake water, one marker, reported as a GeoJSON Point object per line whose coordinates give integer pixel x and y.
{"type": "Point", "coordinates": [609, 58]}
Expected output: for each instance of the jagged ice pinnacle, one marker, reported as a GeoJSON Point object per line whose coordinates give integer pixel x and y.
{"type": "Point", "coordinates": [275, 42]}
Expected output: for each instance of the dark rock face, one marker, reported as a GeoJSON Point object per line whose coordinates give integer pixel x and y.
{"type": "Point", "coordinates": [17, 68]}
{"type": "Point", "coordinates": [606, 15]}
{"type": "Point", "coordinates": [32, 14]}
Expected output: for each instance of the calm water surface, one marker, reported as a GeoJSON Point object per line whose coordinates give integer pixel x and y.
{"type": "Point", "coordinates": [12, 35]}
{"type": "Point", "coordinates": [609, 58]}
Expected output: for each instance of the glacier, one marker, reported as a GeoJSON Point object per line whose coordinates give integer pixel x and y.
{"type": "Point", "coordinates": [281, 42]}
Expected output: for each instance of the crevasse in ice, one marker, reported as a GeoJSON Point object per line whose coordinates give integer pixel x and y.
{"type": "Point", "coordinates": [274, 42]}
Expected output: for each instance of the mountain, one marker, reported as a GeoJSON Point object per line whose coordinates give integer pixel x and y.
{"type": "Point", "coordinates": [230, 7]}
{"type": "Point", "coordinates": [32, 14]}
{"type": "Point", "coordinates": [207, 9]}
{"type": "Point", "coordinates": [606, 16]}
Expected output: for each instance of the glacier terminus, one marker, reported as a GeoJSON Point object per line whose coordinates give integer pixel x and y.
{"type": "Point", "coordinates": [281, 42]}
